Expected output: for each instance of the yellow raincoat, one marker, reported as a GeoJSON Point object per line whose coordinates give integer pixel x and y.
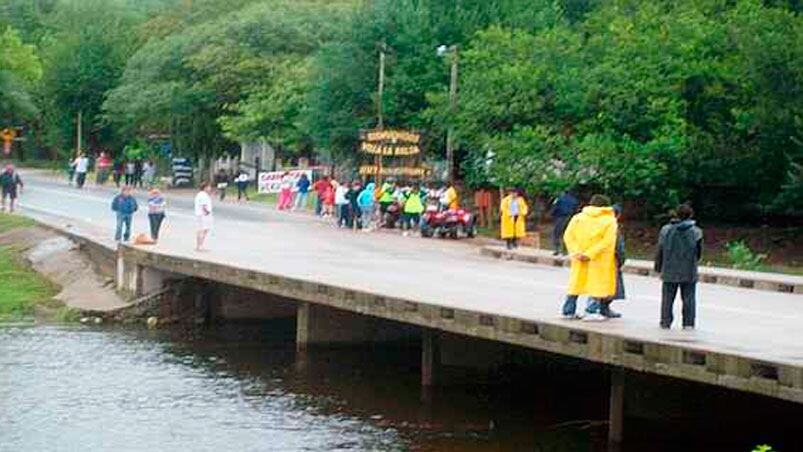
{"type": "Point", "coordinates": [452, 200]}
{"type": "Point", "coordinates": [592, 232]}
{"type": "Point", "coordinates": [513, 229]}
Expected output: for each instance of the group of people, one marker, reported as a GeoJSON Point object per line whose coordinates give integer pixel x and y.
{"type": "Point", "coordinates": [595, 244]}
{"type": "Point", "coordinates": [241, 180]}
{"type": "Point", "coordinates": [124, 205]}
{"type": "Point", "coordinates": [364, 206]}
{"type": "Point", "coordinates": [131, 172]}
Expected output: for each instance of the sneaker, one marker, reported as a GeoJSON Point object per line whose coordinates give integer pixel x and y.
{"type": "Point", "coordinates": [594, 317]}
{"type": "Point", "coordinates": [688, 327]}
{"type": "Point", "coordinates": [665, 327]}
{"type": "Point", "coordinates": [571, 317]}
{"type": "Point", "coordinates": [556, 253]}
{"type": "Point", "coordinates": [611, 314]}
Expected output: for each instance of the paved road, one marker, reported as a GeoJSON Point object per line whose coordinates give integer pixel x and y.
{"type": "Point", "coordinates": [757, 324]}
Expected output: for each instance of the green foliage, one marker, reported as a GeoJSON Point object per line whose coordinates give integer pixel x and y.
{"type": "Point", "coordinates": [653, 101]}
{"type": "Point", "coordinates": [742, 257]}
{"type": "Point", "coordinates": [20, 68]}
{"type": "Point", "coordinates": [763, 448]}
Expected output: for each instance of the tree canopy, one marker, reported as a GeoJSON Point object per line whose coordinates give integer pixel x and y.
{"type": "Point", "coordinates": [652, 102]}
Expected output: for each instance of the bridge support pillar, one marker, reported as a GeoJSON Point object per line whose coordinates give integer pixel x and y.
{"type": "Point", "coordinates": [429, 357]}
{"type": "Point", "coordinates": [616, 410]}
{"type": "Point", "coordinates": [323, 325]}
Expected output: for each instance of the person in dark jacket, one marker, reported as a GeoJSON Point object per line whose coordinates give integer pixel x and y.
{"type": "Point", "coordinates": [124, 205]}
{"type": "Point", "coordinates": [562, 210]}
{"type": "Point", "coordinates": [680, 247]}
{"type": "Point", "coordinates": [354, 207]}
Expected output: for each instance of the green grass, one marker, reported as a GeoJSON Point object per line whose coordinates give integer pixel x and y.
{"type": "Point", "coordinates": [21, 288]}
{"type": "Point", "coordinates": [11, 222]}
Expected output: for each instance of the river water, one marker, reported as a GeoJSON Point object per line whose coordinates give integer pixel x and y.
{"type": "Point", "coordinates": [244, 388]}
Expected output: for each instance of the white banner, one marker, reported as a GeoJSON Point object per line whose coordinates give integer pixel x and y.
{"type": "Point", "coordinates": [271, 182]}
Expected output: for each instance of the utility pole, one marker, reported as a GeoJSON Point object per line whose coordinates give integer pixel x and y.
{"type": "Point", "coordinates": [453, 55]}
{"type": "Point", "coordinates": [381, 88]}
{"type": "Point", "coordinates": [78, 134]}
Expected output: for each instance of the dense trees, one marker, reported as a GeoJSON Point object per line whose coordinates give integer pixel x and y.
{"type": "Point", "coordinates": [650, 101]}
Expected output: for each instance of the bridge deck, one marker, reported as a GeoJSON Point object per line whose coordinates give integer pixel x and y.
{"type": "Point", "coordinates": [746, 339]}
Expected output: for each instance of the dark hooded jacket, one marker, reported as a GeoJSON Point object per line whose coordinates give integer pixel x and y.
{"type": "Point", "coordinates": [680, 247]}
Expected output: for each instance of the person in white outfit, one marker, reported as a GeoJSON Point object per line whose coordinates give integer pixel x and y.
{"type": "Point", "coordinates": [203, 215]}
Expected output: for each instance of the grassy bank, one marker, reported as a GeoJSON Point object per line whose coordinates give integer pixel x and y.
{"type": "Point", "coordinates": [22, 290]}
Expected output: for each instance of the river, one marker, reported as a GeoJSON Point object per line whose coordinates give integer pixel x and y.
{"type": "Point", "coordinates": [242, 387]}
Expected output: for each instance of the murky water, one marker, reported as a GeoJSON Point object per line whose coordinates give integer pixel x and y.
{"type": "Point", "coordinates": [244, 388]}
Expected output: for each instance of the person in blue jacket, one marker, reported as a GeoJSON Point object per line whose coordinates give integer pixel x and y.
{"type": "Point", "coordinates": [366, 203]}
{"type": "Point", "coordinates": [562, 210]}
{"type": "Point", "coordinates": [124, 205]}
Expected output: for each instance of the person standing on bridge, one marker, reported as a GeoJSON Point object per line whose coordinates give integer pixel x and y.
{"type": "Point", "coordinates": [156, 212]}
{"type": "Point", "coordinates": [285, 192]}
{"type": "Point", "coordinates": [591, 241]}
{"type": "Point", "coordinates": [680, 247]}
{"type": "Point", "coordinates": [302, 192]}
{"type": "Point", "coordinates": [562, 210]}
{"type": "Point", "coordinates": [203, 215]}
{"type": "Point", "coordinates": [514, 211]}
{"type": "Point", "coordinates": [124, 205]}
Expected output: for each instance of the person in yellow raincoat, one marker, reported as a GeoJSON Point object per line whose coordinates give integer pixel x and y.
{"type": "Point", "coordinates": [514, 211]}
{"type": "Point", "coordinates": [450, 199]}
{"type": "Point", "coordinates": [590, 240]}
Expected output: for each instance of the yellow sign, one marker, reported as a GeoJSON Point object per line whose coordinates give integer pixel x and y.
{"type": "Point", "coordinates": [398, 171]}
{"type": "Point", "coordinates": [7, 136]}
{"type": "Point", "coordinates": [390, 143]}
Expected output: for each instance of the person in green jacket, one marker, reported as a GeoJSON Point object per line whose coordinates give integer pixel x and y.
{"type": "Point", "coordinates": [386, 195]}
{"type": "Point", "coordinates": [413, 208]}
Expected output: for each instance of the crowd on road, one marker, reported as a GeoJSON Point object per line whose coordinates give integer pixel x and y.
{"type": "Point", "coordinates": [134, 172]}
{"type": "Point", "coordinates": [367, 205]}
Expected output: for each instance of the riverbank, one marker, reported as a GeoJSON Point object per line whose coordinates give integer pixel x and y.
{"type": "Point", "coordinates": [22, 290]}
{"type": "Point", "coordinates": [44, 276]}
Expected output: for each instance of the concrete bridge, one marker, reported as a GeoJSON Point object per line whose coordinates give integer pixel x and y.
{"type": "Point", "coordinates": [344, 287]}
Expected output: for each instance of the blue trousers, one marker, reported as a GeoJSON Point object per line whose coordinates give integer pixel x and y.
{"type": "Point", "coordinates": [123, 221]}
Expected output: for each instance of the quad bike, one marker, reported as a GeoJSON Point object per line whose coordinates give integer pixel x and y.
{"type": "Point", "coordinates": [453, 223]}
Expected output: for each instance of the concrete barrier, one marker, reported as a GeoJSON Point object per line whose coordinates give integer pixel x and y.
{"type": "Point", "coordinates": [773, 282]}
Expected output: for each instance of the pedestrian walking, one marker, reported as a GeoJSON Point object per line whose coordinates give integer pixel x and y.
{"type": "Point", "coordinates": [12, 185]}
{"type": "Point", "coordinates": [149, 173]}
{"type": "Point", "coordinates": [353, 196]}
{"type": "Point", "coordinates": [285, 192]}
{"type": "Point", "coordinates": [117, 172]}
{"type": "Point", "coordinates": [241, 181]}
{"type": "Point", "coordinates": [302, 192]}
{"type": "Point", "coordinates": [222, 183]}
{"type": "Point", "coordinates": [413, 208]}
{"type": "Point", "coordinates": [81, 168]}
{"type": "Point", "coordinates": [562, 210]}
{"type": "Point", "coordinates": [124, 205]}
{"type": "Point", "coordinates": [156, 212]}
{"type": "Point", "coordinates": [342, 205]}
{"type": "Point", "coordinates": [203, 215]}
{"type": "Point", "coordinates": [513, 214]}
{"type": "Point", "coordinates": [680, 247]}
{"type": "Point", "coordinates": [591, 241]}
{"type": "Point", "coordinates": [130, 169]}
{"type": "Point", "coordinates": [104, 163]}
{"type": "Point", "coordinates": [365, 201]}
{"type": "Point", "coordinates": [328, 200]}
{"type": "Point", "coordinates": [138, 172]}
{"type": "Point", "coordinates": [320, 188]}
{"type": "Point", "coordinates": [71, 171]}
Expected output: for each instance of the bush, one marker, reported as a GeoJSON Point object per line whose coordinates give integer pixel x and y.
{"type": "Point", "coordinates": [742, 257]}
